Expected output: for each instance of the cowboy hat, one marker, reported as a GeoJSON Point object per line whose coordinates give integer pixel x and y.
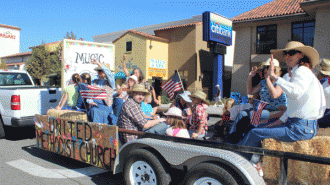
{"type": "Point", "coordinates": [308, 51]}
{"type": "Point", "coordinates": [174, 111]}
{"type": "Point", "coordinates": [139, 88]}
{"type": "Point", "coordinates": [325, 67]}
{"type": "Point", "coordinates": [200, 95]}
{"type": "Point", "coordinates": [267, 63]}
{"type": "Point", "coordinates": [133, 77]}
{"type": "Point", "coordinates": [100, 69]}
{"type": "Point", "coordinates": [185, 96]}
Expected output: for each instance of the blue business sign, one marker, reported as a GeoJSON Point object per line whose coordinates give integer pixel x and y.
{"type": "Point", "coordinates": [217, 28]}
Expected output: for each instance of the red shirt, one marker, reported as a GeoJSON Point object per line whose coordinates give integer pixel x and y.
{"type": "Point", "coordinates": [198, 117]}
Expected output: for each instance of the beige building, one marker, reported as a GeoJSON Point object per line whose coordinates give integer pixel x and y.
{"type": "Point", "coordinates": [9, 40]}
{"type": "Point", "coordinates": [271, 26]}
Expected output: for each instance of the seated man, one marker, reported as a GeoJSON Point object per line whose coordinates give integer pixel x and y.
{"type": "Point", "coordinates": [131, 116]}
{"type": "Point", "coordinates": [324, 75]}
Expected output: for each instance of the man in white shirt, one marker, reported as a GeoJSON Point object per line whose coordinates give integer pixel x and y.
{"type": "Point", "coordinates": [324, 75]}
{"type": "Point", "coordinates": [305, 98]}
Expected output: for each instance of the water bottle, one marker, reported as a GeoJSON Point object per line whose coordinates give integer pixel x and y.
{"type": "Point", "coordinates": [255, 159]}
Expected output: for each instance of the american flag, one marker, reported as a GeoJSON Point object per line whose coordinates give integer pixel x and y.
{"type": "Point", "coordinates": [258, 106]}
{"type": "Point", "coordinates": [173, 85]}
{"type": "Point", "coordinates": [92, 92]}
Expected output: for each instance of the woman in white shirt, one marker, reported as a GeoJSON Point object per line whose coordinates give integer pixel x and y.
{"type": "Point", "coordinates": [305, 99]}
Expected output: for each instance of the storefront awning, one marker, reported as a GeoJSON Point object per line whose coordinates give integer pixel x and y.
{"type": "Point", "coordinates": [120, 75]}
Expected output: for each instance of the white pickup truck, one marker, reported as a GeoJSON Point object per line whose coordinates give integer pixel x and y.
{"type": "Point", "coordinates": [21, 100]}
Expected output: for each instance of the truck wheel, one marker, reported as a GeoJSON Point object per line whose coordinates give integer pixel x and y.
{"type": "Point", "coordinates": [2, 130]}
{"type": "Point", "coordinates": [209, 174]}
{"type": "Point", "coordinates": [143, 167]}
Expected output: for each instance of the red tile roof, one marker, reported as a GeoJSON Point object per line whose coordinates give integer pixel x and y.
{"type": "Point", "coordinates": [179, 26]}
{"type": "Point", "coordinates": [272, 9]}
{"type": "Point", "coordinates": [18, 54]}
{"type": "Point", "coordinates": [12, 27]}
{"type": "Point", "coordinates": [47, 44]}
{"type": "Point", "coordinates": [146, 35]}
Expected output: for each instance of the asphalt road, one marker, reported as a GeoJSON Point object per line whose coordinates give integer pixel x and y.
{"type": "Point", "coordinates": [21, 162]}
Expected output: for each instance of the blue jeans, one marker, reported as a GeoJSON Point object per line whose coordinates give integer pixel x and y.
{"type": "Point", "coordinates": [294, 129]}
{"type": "Point", "coordinates": [240, 115]}
{"type": "Point", "coordinates": [325, 120]}
{"type": "Point", "coordinates": [116, 106]}
{"type": "Point", "coordinates": [160, 128]}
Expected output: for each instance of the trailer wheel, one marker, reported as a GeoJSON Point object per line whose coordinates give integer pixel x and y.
{"type": "Point", "coordinates": [209, 174]}
{"type": "Point", "coordinates": [2, 130]}
{"type": "Point", "coordinates": [143, 167]}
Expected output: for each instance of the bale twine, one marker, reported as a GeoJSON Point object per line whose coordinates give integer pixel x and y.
{"type": "Point", "coordinates": [68, 114]}
{"type": "Point", "coordinates": [299, 172]}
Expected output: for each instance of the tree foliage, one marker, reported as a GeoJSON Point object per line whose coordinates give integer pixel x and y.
{"type": "Point", "coordinates": [70, 35]}
{"type": "Point", "coordinates": [3, 64]}
{"type": "Point", "coordinates": [42, 63]}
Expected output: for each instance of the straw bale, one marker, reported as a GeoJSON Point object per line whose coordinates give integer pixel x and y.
{"type": "Point", "coordinates": [299, 172]}
{"type": "Point", "coordinates": [68, 114]}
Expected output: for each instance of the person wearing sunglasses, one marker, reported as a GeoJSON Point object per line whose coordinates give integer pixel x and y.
{"type": "Point", "coordinates": [305, 96]}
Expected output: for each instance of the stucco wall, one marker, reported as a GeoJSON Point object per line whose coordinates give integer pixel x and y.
{"type": "Point", "coordinates": [241, 66]}
{"type": "Point", "coordinates": [322, 33]}
{"type": "Point", "coordinates": [8, 45]}
{"type": "Point", "coordinates": [137, 56]}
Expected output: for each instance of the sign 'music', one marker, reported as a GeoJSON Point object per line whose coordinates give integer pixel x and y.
{"type": "Point", "coordinates": [217, 28]}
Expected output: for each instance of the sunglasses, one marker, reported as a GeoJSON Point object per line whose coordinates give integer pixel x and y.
{"type": "Point", "coordinates": [291, 52]}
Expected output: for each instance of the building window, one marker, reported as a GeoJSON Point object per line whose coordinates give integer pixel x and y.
{"type": "Point", "coordinates": [303, 32]}
{"type": "Point", "coordinates": [129, 46]}
{"type": "Point", "coordinates": [266, 39]}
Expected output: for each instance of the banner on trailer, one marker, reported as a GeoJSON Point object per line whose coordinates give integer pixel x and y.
{"type": "Point", "coordinates": [77, 57]}
{"type": "Point", "coordinates": [92, 143]}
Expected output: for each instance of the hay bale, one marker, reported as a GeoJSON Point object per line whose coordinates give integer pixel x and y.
{"type": "Point", "coordinates": [68, 114]}
{"type": "Point", "coordinates": [299, 172]}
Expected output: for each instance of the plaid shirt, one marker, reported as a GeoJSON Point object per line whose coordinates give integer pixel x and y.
{"type": "Point", "coordinates": [131, 118]}
{"type": "Point", "coordinates": [198, 117]}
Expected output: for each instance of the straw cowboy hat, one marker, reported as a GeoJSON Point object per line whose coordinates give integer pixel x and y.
{"type": "Point", "coordinates": [100, 69]}
{"type": "Point", "coordinates": [309, 51]}
{"type": "Point", "coordinates": [267, 63]}
{"type": "Point", "coordinates": [174, 111]}
{"type": "Point", "coordinates": [200, 95]}
{"type": "Point", "coordinates": [139, 88]}
{"type": "Point", "coordinates": [325, 67]}
{"type": "Point", "coordinates": [185, 96]}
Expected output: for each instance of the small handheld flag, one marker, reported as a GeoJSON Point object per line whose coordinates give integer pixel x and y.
{"type": "Point", "coordinates": [258, 106]}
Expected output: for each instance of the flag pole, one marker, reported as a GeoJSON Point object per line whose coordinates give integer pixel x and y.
{"type": "Point", "coordinates": [180, 79]}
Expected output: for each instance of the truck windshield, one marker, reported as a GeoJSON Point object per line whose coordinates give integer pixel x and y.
{"type": "Point", "coordinates": [12, 79]}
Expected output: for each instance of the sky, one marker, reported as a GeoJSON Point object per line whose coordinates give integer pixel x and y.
{"type": "Point", "coordinates": [49, 21]}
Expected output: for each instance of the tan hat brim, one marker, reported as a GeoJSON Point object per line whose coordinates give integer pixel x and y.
{"type": "Point", "coordinates": [145, 92]}
{"type": "Point", "coordinates": [326, 73]}
{"type": "Point", "coordinates": [197, 97]}
{"type": "Point", "coordinates": [310, 52]}
{"type": "Point", "coordinates": [172, 115]}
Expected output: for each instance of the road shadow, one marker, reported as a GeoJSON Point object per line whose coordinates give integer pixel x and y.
{"type": "Point", "coordinates": [66, 162]}
{"type": "Point", "coordinates": [19, 133]}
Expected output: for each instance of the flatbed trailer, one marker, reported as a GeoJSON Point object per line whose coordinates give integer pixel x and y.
{"type": "Point", "coordinates": [156, 159]}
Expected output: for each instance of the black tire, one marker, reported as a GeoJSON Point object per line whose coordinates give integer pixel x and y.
{"type": "Point", "coordinates": [209, 172]}
{"type": "Point", "coordinates": [2, 130]}
{"type": "Point", "coordinates": [155, 172]}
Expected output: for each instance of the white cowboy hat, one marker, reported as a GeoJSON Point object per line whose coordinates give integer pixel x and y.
{"type": "Point", "coordinates": [185, 96]}
{"type": "Point", "coordinates": [267, 63]}
{"type": "Point", "coordinates": [134, 78]}
{"type": "Point", "coordinates": [174, 111]}
{"type": "Point", "coordinates": [308, 51]}
{"type": "Point", "coordinates": [325, 66]}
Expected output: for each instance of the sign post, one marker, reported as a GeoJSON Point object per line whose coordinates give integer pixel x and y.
{"type": "Point", "coordinates": [217, 31]}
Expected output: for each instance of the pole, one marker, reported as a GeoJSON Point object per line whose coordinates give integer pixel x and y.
{"type": "Point", "coordinates": [180, 79]}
